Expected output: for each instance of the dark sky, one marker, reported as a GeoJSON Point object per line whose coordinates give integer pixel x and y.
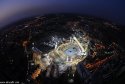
{"type": "Point", "coordinates": [13, 10]}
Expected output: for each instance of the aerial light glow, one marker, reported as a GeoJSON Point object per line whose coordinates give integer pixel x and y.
{"type": "Point", "coordinates": [66, 54]}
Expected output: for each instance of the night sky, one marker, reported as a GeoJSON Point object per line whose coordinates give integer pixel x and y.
{"type": "Point", "coordinates": [13, 10]}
